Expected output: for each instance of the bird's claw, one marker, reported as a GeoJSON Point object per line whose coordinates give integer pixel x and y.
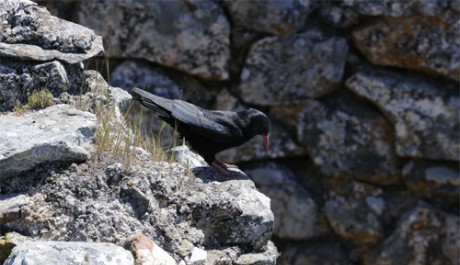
{"type": "Point", "coordinates": [224, 165]}
{"type": "Point", "coordinates": [223, 168]}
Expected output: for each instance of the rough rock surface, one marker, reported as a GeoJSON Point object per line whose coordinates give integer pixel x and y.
{"type": "Point", "coordinates": [29, 32]}
{"type": "Point", "coordinates": [424, 112]}
{"type": "Point", "coordinates": [192, 36]}
{"type": "Point", "coordinates": [346, 140]}
{"type": "Point", "coordinates": [277, 17]}
{"type": "Point", "coordinates": [175, 210]}
{"type": "Point", "coordinates": [20, 78]}
{"type": "Point", "coordinates": [8, 242]}
{"type": "Point", "coordinates": [146, 252]}
{"type": "Point", "coordinates": [288, 69]}
{"type": "Point", "coordinates": [184, 156]}
{"type": "Point", "coordinates": [10, 206]}
{"type": "Point", "coordinates": [59, 133]}
{"type": "Point", "coordinates": [356, 217]}
{"type": "Point", "coordinates": [345, 13]}
{"type": "Point", "coordinates": [72, 253]}
{"type": "Point", "coordinates": [420, 43]}
{"type": "Point", "coordinates": [423, 236]}
{"type": "Point", "coordinates": [296, 213]}
{"type": "Point", "coordinates": [433, 180]}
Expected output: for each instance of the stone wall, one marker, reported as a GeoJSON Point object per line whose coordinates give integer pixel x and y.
{"type": "Point", "coordinates": [364, 102]}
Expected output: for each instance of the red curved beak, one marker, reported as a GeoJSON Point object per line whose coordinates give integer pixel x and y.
{"type": "Point", "coordinates": [266, 142]}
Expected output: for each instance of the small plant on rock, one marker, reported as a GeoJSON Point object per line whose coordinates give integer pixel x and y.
{"type": "Point", "coordinates": [19, 108]}
{"type": "Point", "coordinates": [40, 99]}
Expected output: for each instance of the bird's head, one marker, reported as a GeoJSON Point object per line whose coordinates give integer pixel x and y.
{"type": "Point", "coordinates": [259, 124]}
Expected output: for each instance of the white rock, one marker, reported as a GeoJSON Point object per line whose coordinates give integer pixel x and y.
{"type": "Point", "coordinates": [59, 133]}
{"type": "Point", "coordinates": [69, 253]}
{"type": "Point", "coordinates": [198, 257]}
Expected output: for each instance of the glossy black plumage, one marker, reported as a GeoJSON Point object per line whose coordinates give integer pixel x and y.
{"type": "Point", "coordinates": [207, 131]}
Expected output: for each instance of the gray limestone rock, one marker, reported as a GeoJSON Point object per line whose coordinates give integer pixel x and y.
{"type": "Point", "coordinates": [95, 84]}
{"type": "Point", "coordinates": [421, 43]}
{"type": "Point", "coordinates": [192, 36]}
{"type": "Point", "coordinates": [226, 256]}
{"type": "Point", "coordinates": [10, 206]}
{"type": "Point", "coordinates": [11, 86]}
{"type": "Point", "coordinates": [29, 32]}
{"type": "Point", "coordinates": [20, 78]}
{"type": "Point", "coordinates": [51, 76]}
{"type": "Point", "coordinates": [268, 257]}
{"type": "Point", "coordinates": [356, 216]}
{"type": "Point", "coordinates": [197, 257]}
{"type": "Point", "coordinates": [71, 253]}
{"type": "Point", "coordinates": [176, 210]}
{"type": "Point", "coordinates": [424, 112]}
{"type": "Point", "coordinates": [297, 215]}
{"type": "Point", "coordinates": [233, 212]}
{"type": "Point", "coordinates": [423, 236]}
{"type": "Point", "coordinates": [433, 180]}
{"type": "Point", "coordinates": [184, 156]}
{"type": "Point", "coordinates": [276, 17]}
{"type": "Point", "coordinates": [59, 133]}
{"type": "Point", "coordinates": [8, 242]}
{"type": "Point", "coordinates": [290, 69]}
{"type": "Point", "coordinates": [348, 140]}
{"type": "Point", "coordinates": [147, 252]}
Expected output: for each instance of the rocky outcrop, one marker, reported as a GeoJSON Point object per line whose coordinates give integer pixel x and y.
{"type": "Point", "coordinates": [59, 183]}
{"type": "Point", "coordinates": [29, 32]}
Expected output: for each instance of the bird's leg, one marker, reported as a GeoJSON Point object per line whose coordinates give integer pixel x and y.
{"type": "Point", "coordinates": [225, 165]}
{"type": "Point", "coordinates": [223, 169]}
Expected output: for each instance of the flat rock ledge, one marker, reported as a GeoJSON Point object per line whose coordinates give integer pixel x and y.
{"type": "Point", "coordinates": [30, 32]}
{"type": "Point", "coordinates": [55, 252]}
{"type": "Point", "coordinates": [59, 133]}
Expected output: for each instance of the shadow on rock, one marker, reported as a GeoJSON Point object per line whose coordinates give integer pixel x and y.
{"type": "Point", "coordinates": [209, 174]}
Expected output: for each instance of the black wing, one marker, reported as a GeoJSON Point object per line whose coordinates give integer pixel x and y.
{"type": "Point", "coordinates": [161, 105]}
{"type": "Point", "coordinates": [218, 126]}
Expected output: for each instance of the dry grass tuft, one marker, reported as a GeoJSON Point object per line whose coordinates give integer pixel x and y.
{"type": "Point", "coordinates": [40, 99]}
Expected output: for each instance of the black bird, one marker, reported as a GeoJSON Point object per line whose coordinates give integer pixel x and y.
{"type": "Point", "coordinates": [208, 131]}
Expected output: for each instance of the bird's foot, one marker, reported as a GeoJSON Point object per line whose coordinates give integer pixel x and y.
{"type": "Point", "coordinates": [225, 165]}
{"type": "Point", "coordinates": [223, 168]}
